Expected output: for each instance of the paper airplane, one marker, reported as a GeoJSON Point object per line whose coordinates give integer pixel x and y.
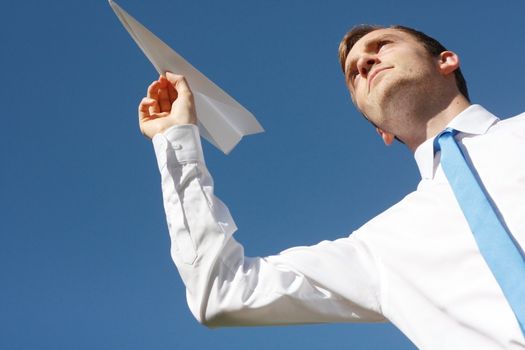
{"type": "Point", "coordinates": [222, 120]}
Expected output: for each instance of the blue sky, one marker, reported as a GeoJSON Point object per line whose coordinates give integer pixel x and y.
{"type": "Point", "coordinates": [84, 248]}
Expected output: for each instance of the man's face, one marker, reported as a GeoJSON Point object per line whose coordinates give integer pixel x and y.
{"type": "Point", "coordinates": [385, 70]}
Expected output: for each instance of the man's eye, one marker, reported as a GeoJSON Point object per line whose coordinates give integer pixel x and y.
{"type": "Point", "coordinates": [382, 43]}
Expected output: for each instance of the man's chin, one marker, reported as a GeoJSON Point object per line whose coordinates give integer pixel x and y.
{"type": "Point", "coordinates": [397, 93]}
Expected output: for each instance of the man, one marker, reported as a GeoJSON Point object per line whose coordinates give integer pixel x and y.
{"type": "Point", "coordinates": [417, 264]}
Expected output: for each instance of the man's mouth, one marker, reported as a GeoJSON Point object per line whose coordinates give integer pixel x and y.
{"type": "Point", "coordinates": [374, 73]}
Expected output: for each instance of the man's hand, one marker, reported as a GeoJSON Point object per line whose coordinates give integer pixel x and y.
{"type": "Point", "coordinates": [169, 102]}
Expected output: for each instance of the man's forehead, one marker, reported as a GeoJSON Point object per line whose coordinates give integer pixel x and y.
{"type": "Point", "coordinates": [371, 37]}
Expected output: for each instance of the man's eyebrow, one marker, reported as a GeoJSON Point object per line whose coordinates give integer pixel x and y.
{"type": "Point", "coordinates": [368, 44]}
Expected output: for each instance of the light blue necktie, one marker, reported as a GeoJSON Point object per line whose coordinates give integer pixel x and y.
{"type": "Point", "coordinates": [496, 244]}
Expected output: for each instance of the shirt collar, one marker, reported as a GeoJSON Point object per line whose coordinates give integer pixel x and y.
{"type": "Point", "coordinates": [474, 120]}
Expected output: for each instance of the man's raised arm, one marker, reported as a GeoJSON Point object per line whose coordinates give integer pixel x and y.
{"type": "Point", "coordinates": [329, 282]}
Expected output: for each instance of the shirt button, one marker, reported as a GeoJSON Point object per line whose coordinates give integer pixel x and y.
{"type": "Point", "coordinates": [177, 147]}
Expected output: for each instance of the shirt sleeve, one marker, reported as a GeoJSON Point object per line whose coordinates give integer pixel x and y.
{"type": "Point", "coordinates": [333, 281]}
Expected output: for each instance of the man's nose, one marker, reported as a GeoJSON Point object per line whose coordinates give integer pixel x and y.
{"type": "Point", "coordinates": [365, 64]}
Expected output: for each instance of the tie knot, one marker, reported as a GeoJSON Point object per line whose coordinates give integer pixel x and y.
{"type": "Point", "coordinates": [448, 132]}
{"type": "Point", "coordinates": [452, 131]}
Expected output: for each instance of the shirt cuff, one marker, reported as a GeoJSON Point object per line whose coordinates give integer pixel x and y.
{"type": "Point", "coordinates": [182, 141]}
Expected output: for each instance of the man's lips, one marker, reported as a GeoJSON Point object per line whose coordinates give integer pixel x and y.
{"type": "Point", "coordinates": [373, 75]}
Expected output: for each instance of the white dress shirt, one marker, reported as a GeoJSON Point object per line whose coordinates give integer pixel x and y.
{"type": "Point", "coordinates": [416, 265]}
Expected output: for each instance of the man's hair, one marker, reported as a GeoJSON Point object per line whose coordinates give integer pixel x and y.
{"type": "Point", "coordinates": [433, 47]}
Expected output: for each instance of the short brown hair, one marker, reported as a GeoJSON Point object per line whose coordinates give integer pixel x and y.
{"type": "Point", "coordinates": [432, 46]}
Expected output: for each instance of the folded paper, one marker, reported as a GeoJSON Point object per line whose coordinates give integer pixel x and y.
{"type": "Point", "coordinates": [222, 120]}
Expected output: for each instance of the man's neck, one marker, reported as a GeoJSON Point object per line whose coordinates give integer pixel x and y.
{"type": "Point", "coordinates": [438, 119]}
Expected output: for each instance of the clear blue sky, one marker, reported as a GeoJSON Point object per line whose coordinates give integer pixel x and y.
{"type": "Point", "coordinates": [84, 248]}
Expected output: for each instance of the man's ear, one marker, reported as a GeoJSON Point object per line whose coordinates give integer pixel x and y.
{"type": "Point", "coordinates": [448, 62]}
{"type": "Point", "coordinates": [387, 137]}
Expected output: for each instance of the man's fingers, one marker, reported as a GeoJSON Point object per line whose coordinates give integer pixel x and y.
{"type": "Point", "coordinates": [164, 99]}
{"type": "Point", "coordinates": [153, 93]}
{"type": "Point", "coordinates": [172, 93]}
{"type": "Point", "coordinates": [145, 107]}
{"type": "Point", "coordinates": [153, 90]}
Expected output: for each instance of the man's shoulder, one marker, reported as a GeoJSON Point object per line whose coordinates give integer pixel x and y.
{"type": "Point", "coordinates": [514, 120]}
{"type": "Point", "coordinates": [513, 125]}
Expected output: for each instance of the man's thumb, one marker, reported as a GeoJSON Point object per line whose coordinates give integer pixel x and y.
{"type": "Point", "coordinates": [179, 83]}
